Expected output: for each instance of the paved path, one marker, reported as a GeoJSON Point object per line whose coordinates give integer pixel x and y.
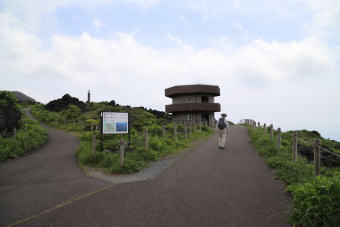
{"type": "Point", "coordinates": [209, 187]}
{"type": "Point", "coordinates": [43, 179]}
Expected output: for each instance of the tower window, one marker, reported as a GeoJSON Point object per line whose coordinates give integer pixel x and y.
{"type": "Point", "coordinates": [204, 99]}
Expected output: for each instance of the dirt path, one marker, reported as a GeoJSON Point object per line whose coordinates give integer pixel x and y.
{"type": "Point", "coordinates": [209, 187]}
{"type": "Point", "coordinates": [43, 179]}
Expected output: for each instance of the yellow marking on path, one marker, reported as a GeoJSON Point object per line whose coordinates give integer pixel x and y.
{"type": "Point", "coordinates": [60, 205]}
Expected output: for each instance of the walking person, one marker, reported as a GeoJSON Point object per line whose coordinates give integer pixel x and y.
{"type": "Point", "coordinates": [222, 127]}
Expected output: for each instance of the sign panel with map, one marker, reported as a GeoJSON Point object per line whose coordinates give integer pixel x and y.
{"type": "Point", "coordinates": [115, 123]}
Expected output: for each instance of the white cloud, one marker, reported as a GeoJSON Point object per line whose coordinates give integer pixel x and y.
{"type": "Point", "coordinates": [326, 16]}
{"type": "Point", "coordinates": [213, 8]}
{"type": "Point", "coordinates": [144, 3]}
{"type": "Point", "coordinates": [86, 58]}
{"type": "Point", "coordinates": [97, 23]}
{"type": "Point", "coordinates": [124, 69]}
{"type": "Point", "coordinates": [35, 13]}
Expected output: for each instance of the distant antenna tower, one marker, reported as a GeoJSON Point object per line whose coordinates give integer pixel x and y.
{"type": "Point", "coordinates": [88, 97]}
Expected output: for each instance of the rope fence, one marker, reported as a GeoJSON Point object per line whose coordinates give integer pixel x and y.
{"type": "Point", "coordinates": [316, 144]}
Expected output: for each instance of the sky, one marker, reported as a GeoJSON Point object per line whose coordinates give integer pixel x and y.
{"type": "Point", "coordinates": [275, 61]}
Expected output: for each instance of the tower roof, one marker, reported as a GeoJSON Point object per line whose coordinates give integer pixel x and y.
{"type": "Point", "coordinates": [192, 89]}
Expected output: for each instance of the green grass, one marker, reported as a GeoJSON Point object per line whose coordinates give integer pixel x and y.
{"type": "Point", "coordinates": [138, 157]}
{"type": "Point", "coordinates": [135, 159]}
{"type": "Point", "coordinates": [28, 138]}
{"type": "Point", "coordinates": [315, 201]}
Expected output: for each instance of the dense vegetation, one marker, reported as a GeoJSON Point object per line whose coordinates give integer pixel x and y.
{"type": "Point", "coordinates": [315, 200]}
{"type": "Point", "coordinates": [85, 122]}
{"type": "Point", "coordinates": [19, 135]}
{"type": "Point", "coordinates": [63, 103]}
{"type": "Point", "coordinates": [10, 114]}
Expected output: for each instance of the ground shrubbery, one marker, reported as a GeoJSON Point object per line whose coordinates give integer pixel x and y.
{"type": "Point", "coordinates": [137, 157]}
{"type": "Point", "coordinates": [10, 114]}
{"type": "Point", "coordinates": [63, 103]}
{"type": "Point", "coordinates": [18, 134]}
{"type": "Point", "coordinates": [76, 120]}
{"type": "Point", "coordinates": [315, 201]}
{"type": "Point", "coordinates": [28, 138]}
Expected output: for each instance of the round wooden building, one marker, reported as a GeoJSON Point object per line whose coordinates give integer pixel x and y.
{"type": "Point", "coordinates": [193, 103]}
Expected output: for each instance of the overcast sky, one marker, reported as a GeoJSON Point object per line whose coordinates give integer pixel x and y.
{"type": "Point", "coordinates": [276, 61]}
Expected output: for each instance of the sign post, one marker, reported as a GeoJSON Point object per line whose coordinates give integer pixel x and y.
{"type": "Point", "coordinates": [114, 123]}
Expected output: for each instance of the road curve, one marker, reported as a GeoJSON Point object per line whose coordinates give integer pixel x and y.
{"type": "Point", "coordinates": [209, 187]}
{"type": "Point", "coordinates": [43, 179]}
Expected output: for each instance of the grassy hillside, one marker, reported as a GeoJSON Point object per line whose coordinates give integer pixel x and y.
{"type": "Point", "coordinates": [315, 200]}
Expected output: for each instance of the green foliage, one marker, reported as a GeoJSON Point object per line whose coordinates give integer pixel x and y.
{"type": "Point", "coordinates": [10, 114]}
{"type": "Point", "coordinates": [136, 158]}
{"type": "Point", "coordinates": [72, 112]}
{"type": "Point", "coordinates": [69, 119]}
{"type": "Point", "coordinates": [30, 137]}
{"type": "Point", "coordinates": [63, 103]}
{"type": "Point", "coordinates": [316, 201]}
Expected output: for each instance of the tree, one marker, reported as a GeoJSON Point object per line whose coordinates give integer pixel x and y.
{"type": "Point", "coordinates": [10, 114]}
{"type": "Point", "coordinates": [72, 113]}
{"type": "Point", "coordinates": [63, 103]}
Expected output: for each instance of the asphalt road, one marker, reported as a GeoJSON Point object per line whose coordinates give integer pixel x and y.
{"type": "Point", "coordinates": [208, 187]}
{"type": "Point", "coordinates": [43, 179]}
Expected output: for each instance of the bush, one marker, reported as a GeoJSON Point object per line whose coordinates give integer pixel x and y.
{"type": "Point", "coordinates": [137, 158]}
{"type": "Point", "coordinates": [63, 103]}
{"type": "Point", "coordinates": [27, 139]}
{"type": "Point", "coordinates": [10, 114]}
{"type": "Point", "coordinates": [316, 203]}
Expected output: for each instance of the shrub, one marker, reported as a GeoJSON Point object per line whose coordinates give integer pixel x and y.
{"type": "Point", "coordinates": [30, 137]}
{"type": "Point", "coordinates": [10, 114]}
{"type": "Point", "coordinates": [63, 103]}
{"type": "Point", "coordinates": [316, 203]}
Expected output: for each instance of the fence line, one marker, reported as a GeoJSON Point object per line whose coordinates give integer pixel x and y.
{"type": "Point", "coordinates": [317, 146]}
{"type": "Point", "coordinates": [143, 140]}
{"type": "Point", "coordinates": [324, 149]}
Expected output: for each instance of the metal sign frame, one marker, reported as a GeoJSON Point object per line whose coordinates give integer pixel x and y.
{"type": "Point", "coordinates": [102, 127]}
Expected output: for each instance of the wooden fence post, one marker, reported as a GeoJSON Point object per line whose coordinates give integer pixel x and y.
{"type": "Point", "coordinates": [93, 143]}
{"type": "Point", "coordinates": [121, 151]}
{"type": "Point", "coordinates": [146, 139]}
{"type": "Point", "coordinates": [163, 131]}
{"type": "Point", "coordinates": [185, 131]}
{"type": "Point", "coordinates": [294, 146]}
{"type": "Point", "coordinates": [279, 138]}
{"type": "Point", "coordinates": [271, 131]}
{"type": "Point", "coordinates": [201, 125]}
{"type": "Point", "coordinates": [264, 129]}
{"type": "Point", "coordinates": [175, 131]}
{"type": "Point", "coordinates": [258, 124]}
{"type": "Point", "coordinates": [190, 128]}
{"type": "Point", "coordinates": [317, 157]}
{"type": "Point", "coordinates": [15, 132]}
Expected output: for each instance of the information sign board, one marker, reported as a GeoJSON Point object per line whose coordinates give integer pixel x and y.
{"type": "Point", "coordinates": [115, 123]}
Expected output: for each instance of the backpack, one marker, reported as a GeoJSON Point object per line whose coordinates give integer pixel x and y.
{"type": "Point", "coordinates": [221, 124]}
